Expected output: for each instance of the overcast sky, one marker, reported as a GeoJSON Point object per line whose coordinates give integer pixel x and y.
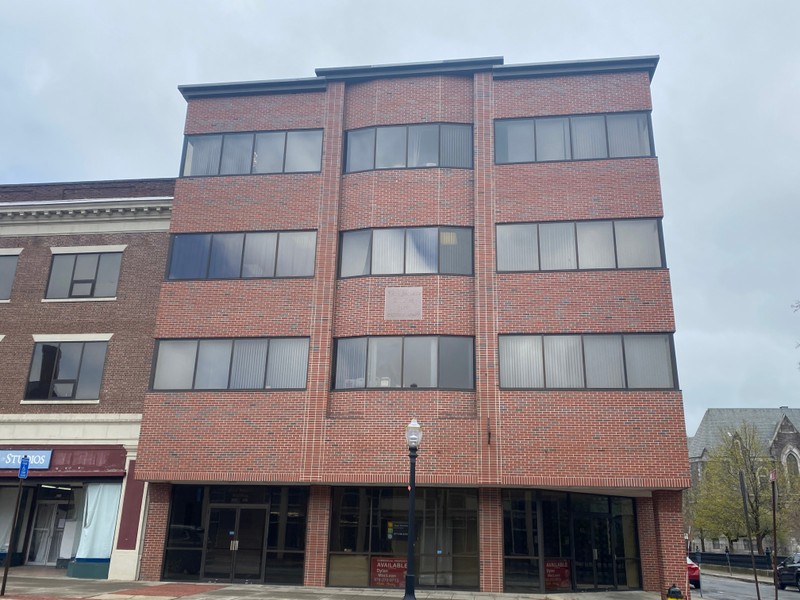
{"type": "Point", "coordinates": [88, 91]}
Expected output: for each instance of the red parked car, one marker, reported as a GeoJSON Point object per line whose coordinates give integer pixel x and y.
{"type": "Point", "coordinates": [693, 569]}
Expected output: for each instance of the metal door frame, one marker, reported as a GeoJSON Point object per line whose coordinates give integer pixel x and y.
{"type": "Point", "coordinates": [237, 508]}
{"type": "Point", "coordinates": [593, 519]}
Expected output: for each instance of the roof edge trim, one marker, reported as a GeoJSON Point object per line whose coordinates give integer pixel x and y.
{"type": "Point", "coordinates": [253, 88]}
{"type": "Point", "coordinates": [441, 67]}
{"type": "Point", "coordinates": [578, 67]}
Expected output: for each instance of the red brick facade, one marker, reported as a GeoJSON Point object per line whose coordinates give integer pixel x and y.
{"type": "Point", "coordinates": [627, 442]}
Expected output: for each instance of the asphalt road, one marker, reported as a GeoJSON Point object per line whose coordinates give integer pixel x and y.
{"type": "Point", "coordinates": [725, 588]}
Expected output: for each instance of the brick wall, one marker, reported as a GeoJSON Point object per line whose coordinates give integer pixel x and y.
{"type": "Point", "coordinates": [626, 438]}
{"type": "Point", "coordinates": [131, 318]}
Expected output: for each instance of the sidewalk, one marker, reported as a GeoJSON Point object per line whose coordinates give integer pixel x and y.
{"type": "Point", "coordinates": [25, 583]}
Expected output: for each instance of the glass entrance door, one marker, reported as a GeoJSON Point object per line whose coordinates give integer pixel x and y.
{"type": "Point", "coordinates": [235, 544]}
{"type": "Point", "coordinates": [46, 534]}
{"type": "Point", "coordinates": [594, 560]}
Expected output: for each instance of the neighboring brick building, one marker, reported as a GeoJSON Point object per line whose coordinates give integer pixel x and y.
{"type": "Point", "coordinates": [474, 245]}
{"type": "Point", "coordinates": [81, 265]}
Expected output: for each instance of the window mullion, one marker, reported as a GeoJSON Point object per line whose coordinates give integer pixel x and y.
{"type": "Point", "coordinates": [375, 148]}
{"type": "Point", "coordinates": [402, 361]}
{"type": "Point", "coordinates": [614, 240]}
{"type": "Point", "coordinates": [544, 363]}
{"type": "Point", "coordinates": [285, 147]}
{"type": "Point", "coordinates": [624, 362]}
{"type": "Point", "coordinates": [196, 356]}
{"type": "Point", "coordinates": [277, 250]}
{"type": "Point", "coordinates": [577, 254]}
{"type": "Point", "coordinates": [608, 143]}
{"type": "Point", "coordinates": [78, 371]}
{"type": "Point", "coordinates": [221, 154]}
{"type": "Point", "coordinates": [241, 255]}
{"type": "Point", "coordinates": [266, 365]}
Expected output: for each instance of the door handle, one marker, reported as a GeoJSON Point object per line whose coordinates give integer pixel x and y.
{"type": "Point", "coordinates": [594, 551]}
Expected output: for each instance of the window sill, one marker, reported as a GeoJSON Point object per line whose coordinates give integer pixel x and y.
{"type": "Point", "coordinates": [48, 300]}
{"type": "Point", "coordinates": [60, 402]}
{"type": "Point", "coordinates": [5, 301]}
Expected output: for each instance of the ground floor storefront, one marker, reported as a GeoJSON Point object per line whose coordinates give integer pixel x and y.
{"type": "Point", "coordinates": [512, 540]}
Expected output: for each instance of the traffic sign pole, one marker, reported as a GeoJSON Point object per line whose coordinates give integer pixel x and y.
{"type": "Point", "coordinates": [12, 541]}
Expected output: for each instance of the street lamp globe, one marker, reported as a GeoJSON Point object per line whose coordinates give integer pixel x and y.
{"type": "Point", "coordinates": [413, 434]}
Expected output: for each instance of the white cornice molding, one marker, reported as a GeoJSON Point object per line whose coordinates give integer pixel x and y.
{"type": "Point", "coordinates": [54, 217]}
{"type": "Point", "coordinates": [71, 429]}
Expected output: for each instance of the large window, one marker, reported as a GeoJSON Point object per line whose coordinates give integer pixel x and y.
{"type": "Point", "coordinates": [83, 274]}
{"type": "Point", "coordinates": [409, 146]}
{"type": "Point", "coordinates": [594, 361]}
{"type": "Point", "coordinates": [68, 370]}
{"type": "Point", "coordinates": [572, 138]}
{"type": "Point", "coordinates": [406, 251]}
{"type": "Point", "coordinates": [255, 152]}
{"type": "Point", "coordinates": [369, 537]}
{"type": "Point", "coordinates": [632, 243]}
{"type": "Point", "coordinates": [242, 255]}
{"type": "Point", "coordinates": [231, 364]}
{"type": "Point", "coordinates": [444, 362]}
{"type": "Point", "coordinates": [8, 268]}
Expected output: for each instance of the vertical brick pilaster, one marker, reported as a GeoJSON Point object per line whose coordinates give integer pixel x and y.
{"type": "Point", "coordinates": [319, 518]}
{"type": "Point", "coordinates": [648, 545]}
{"type": "Point", "coordinates": [668, 513]}
{"type": "Point", "coordinates": [155, 532]}
{"type": "Point", "coordinates": [487, 390]}
{"type": "Point", "coordinates": [319, 367]}
{"type": "Point", "coordinates": [491, 539]}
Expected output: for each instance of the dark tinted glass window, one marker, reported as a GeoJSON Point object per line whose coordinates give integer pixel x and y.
{"type": "Point", "coordinates": [628, 135]}
{"type": "Point", "coordinates": [390, 148]}
{"type": "Point", "coordinates": [456, 358]}
{"type": "Point", "coordinates": [572, 138]}
{"type": "Point", "coordinates": [202, 155]}
{"type": "Point", "coordinates": [90, 275]}
{"type": "Point", "coordinates": [303, 151]}
{"type": "Point", "coordinates": [624, 244]}
{"type": "Point", "coordinates": [518, 247]}
{"type": "Point", "coordinates": [219, 364]}
{"type": "Point", "coordinates": [412, 251]}
{"type": "Point", "coordinates": [243, 255]}
{"type": "Point", "coordinates": [645, 362]}
{"type": "Point", "coordinates": [8, 267]}
{"type": "Point", "coordinates": [360, 150]}
{"type": "Point", "coordinates": [445, 362]}
{"type": "Point", "coordinates": [268, 154]}
{"type": "Point", "coordinates": [66, 371]}
{"type": "Point", "coordinates": [262, 152]}
{"type": "Point", "coordinates": [237, 154]}
{"type": "Point", "coordinates": [409, 146]}
{"type": "Point", "coordinates": [351, 363]}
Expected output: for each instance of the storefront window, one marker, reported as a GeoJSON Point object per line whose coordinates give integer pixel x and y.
{"type": "Point", "coordinates": [369, 538]}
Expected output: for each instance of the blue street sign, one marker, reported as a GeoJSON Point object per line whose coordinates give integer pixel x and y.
{"type": "Point", "coordinates": [23, 467]}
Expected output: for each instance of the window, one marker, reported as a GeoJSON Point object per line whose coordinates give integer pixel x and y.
{"type": "Point", "coordinates": [595, 361]}
{"type": "Point", "coordinates": [66, 370]}
{"type": "Point", "coordinates": [444, 362]}
{"type": "Point", "coordinates": [231, 364]}
{"type": "Point", "coordinates": [408, 147]}
{"type": "Point", "coordinates": [255, 152]}
{"type": "Point", "coordinates": [572, 138]}
{"type": "Point", "coordinates": [584, 245]}
{"type": "Point", "coordinates": [8, 268]}
{"type": "Point", "coordinates": [242, 255]}
{"type": "Point", "coordinates": [416, 250]}
{"type": "Point", "coordinates": [90, 272]}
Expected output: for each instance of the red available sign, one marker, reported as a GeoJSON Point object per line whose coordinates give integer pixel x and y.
{"type": "Point", "coordinates": [556, 575]}
{"type": "Point", "coordinates": [388, 572]}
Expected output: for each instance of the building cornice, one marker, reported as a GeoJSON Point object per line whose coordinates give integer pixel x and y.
{"type": "Point", "coordinates": [465, 66]}
{"type": "Point", "coordinates": [578, 67]}
{"type": "Point", "coordinates": [85, 215]}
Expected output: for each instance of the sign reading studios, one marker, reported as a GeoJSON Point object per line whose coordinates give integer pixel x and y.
{"type": "Point", "coordinates": [39, 459]}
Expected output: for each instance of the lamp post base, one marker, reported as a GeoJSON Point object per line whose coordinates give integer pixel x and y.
{"type": "Point", "coordinates": [409, 595]}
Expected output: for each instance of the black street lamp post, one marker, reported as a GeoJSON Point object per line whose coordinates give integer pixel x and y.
{"type": "Point", "coordinates": [413, 439]}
